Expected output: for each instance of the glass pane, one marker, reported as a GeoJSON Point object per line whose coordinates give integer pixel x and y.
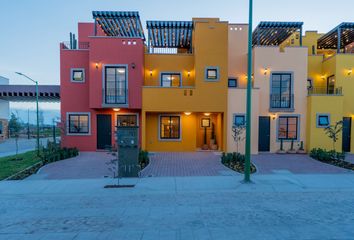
{"type": "Point", "coordinates": [77, 75]}
{"type": "Point", "coordinates": [175, 127]}
{"type": "Point", "coordinates": [176, 80]}
{"type": "Point", "coordinates": [165, 127]}
{"type": "Point", "coordinates": [323, 121]}
{"type": "Point", "coordinates": [239, 121]}
{"type": "Point", "coordinates": [211, 73]}
{"type": "Point", "coordinates": [83, 123]}
{"type": "Point", "coordinates": [127, 120]}
{"type": "Point", "coordinates": [73, 124]}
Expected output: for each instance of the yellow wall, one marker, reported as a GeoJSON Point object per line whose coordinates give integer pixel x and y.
{"type": "Point", "coordinates": [316, 137]}
{"type": "Point", "coordinates": [310, 39]}
{"type": "Point", "coordinates": [210, 49]}
{"type": "Point", "coordinates": [175, 63]}
{"type": "Point", "coordinates": [188, 134]}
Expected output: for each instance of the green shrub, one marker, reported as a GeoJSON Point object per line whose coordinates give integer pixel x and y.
{"type": "Point", "coordinates": [326, 156]}
{"type": "Point", "coordinates": [143, 158]}
{"type": "Point", "coordinates": [235, 161]}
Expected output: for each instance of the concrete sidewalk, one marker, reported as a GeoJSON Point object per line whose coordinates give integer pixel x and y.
{"type": "Point", "coordinates": [277, 206]}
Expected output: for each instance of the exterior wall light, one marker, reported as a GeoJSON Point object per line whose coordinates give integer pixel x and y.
{"type": "Point", "coordinates": [274, 116]}
{"type": "Point", "coordinates": [116, 109]}
{"type": "Point", "coordinates": [265, 71]}
{"type": "Point", "coordinates": [207, 114]}
{"type": "Point", "coordinates": [187, 113]}
{"type": "Point", "coordinates": [150, 73]}
{"type": "Point", "coordinates": [96, 65]}
{"type": "Point", "coordinates": [350, 71]}
{"type": "Point", "coordinates": [323, 77]}
{"type": "Point", "coordinates": [133, 65]}
{"type": "Point", "coordinates": [189, 73]}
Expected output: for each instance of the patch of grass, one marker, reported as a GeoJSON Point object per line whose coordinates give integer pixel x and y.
{"type": "Point", "coordinates": [9, 165]}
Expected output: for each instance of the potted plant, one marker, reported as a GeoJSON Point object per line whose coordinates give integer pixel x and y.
{"type": "Point", "coordinates": [301, 148]}
{"type": "Point", "coordinates": [213, 145]}
{"type": "Point", "coordinates": [292, 149]}
{"type": "Point", "coordinates": [281, 150]}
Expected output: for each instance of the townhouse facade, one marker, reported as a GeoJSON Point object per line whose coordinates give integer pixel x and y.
{"type": "Point", "coordinates": [184, 85]}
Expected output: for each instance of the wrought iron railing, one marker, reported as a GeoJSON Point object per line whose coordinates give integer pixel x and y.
{"type": "Point", "coordinates": [282, 101]}
{"type": "Point", "coordinates": [71, 46]}
{"type": "Point", "coordinates": [153, 50]}
{"type": "Point", "coordinates": [324, 91]}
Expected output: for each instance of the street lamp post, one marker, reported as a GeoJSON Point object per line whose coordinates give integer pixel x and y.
{"type": "Point", "coordinates": [37, 109]}
{"type": "Point", "coordinates": [247, 178]}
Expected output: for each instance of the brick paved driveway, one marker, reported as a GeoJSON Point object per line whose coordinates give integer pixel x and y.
{"type": "Point", "coordinates": [174, 164]}
{"type": "Point", "coordinates": [87, 165]}
{"type": "Point", "coordinates": [271, 163]}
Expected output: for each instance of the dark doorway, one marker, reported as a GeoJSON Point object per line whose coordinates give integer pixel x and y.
{"type": "Point", "coordinates": [104, 131]}
{"type": "Point", "coordinates": [346, 138]}
{"type": "Point", "coordinates": [264, 134]}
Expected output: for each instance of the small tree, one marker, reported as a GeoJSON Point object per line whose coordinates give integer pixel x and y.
{"type": "Point", "coordinates": [15, 129]}
{"type": "Point", "coordinates": [333, 132]}
{"type": "Point", "coordinates": [237, 134]}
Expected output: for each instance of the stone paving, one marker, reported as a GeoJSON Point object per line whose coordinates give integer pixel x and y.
{"type": "Point", "coordinates": [294, 163]}
{"type": "Point", "coordinates": [349, 158]}
{"type": "Point", "coordinates": [86, 165]}
{"type": "Point", "coordinates": [177, 164]}
{"type": "Point", "coordinates": [277, 206]}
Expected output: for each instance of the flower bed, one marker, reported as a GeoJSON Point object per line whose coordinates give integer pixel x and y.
{"type": "Point", "coordinates": [236, 162]}
{"type": "Point", "coordinates": [331, 157]}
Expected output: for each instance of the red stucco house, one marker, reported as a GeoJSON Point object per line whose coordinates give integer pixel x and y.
{"type": "Point", "coordinates": [101, 78]}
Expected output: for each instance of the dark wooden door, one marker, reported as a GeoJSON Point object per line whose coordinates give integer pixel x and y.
{"type": "Point", "coordinates": [264, 134]}
{"type": "Point", "coordinates": [104, 131]}
{"type": "Point", "coordinates": [346, 138]}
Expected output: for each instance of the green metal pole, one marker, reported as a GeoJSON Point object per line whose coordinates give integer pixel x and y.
{"type": "Point", "coordinates": [249, 98]}
{"type": "Point", "coordinates": [37, 118]}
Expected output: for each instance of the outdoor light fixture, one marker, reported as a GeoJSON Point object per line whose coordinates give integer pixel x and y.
{"type": "Point", "coordinates": [150, 73]}
{"type": "Point", "coordinates": [96, 65]}
{"type": "Point", "coordinates": [265, 71]}
{"type": "Point", "coordinates": [274, 116]}
{"type": "Point", "coordinates": [133, 66]}
{"type": "Point", "coordinates": [187, 113]}
{"type": "Point", "coordinates": [323, 77]}
{"type": "Point", "coordinates": [350, 71]}
{"type": "Point", "coordinates": [189, 73]}
{"type": "Point", "coordinates": [207, 114]}
{"type": "Point", "coordinates": [116, 109]}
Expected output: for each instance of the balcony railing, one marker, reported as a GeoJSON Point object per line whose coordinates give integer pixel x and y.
{"type": "Point", "coordinates": [281, 101]}
{"type": "Point", "coordinates": [112, 96]}
{"type": "Point", "coordinates": [153, 50]}
{"type": "Point", "coordinates": [324, 91]}
{"type": "Point", "coordinates": [71, 46]}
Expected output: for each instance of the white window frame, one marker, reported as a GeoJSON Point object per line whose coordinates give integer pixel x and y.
{"type": "Point", "coordinates": [217, 74]}
{"type": "Point", "coordinates": [72, 75]}
{"type": "Point", "coordinates": [68, 125]}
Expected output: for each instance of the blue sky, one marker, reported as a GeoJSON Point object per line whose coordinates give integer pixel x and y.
{"type": "Point", "coordinates": [32, 29]}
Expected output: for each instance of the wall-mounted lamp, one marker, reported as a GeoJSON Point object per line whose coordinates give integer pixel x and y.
{"type": "Point", "coordinates": [150, 73]}
{"type": "Point", "coordinates": [96, 65]}
{"type": "Point", "coordinates": [350, 71]}
{"type": "Point", "coordinates": [116, 109]}
{"type": "Point", "coordinates": [187, 113]}
{"type": "Point", "coordinates": [274, 116]}
{"type": "Point", "coordinates": [133, 65]}
{"type": "Point", "coordinates": [207, 114]}
{"type": "Point", "coordinates": [189, 73]}
{"type": "Point", "coordinates": [323, 77]}
{"type": "Point", "coordinates": [265, 71]}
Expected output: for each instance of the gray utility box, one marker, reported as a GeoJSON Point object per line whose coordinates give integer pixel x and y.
{"type": "Point", "coordinates": [128, 151]}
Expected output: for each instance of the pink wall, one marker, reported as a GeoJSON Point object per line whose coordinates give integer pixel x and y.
{"type": "Point", "coordinates": [87, 96]}
{"type": "Point", "coordinates": [106, 51]}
